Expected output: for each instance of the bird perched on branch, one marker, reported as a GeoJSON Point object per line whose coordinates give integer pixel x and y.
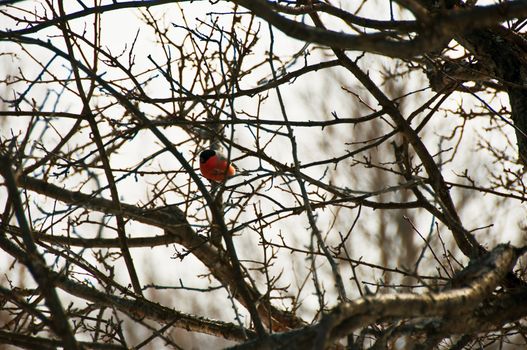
{"type": "Point", "coordinates": [214, 166]}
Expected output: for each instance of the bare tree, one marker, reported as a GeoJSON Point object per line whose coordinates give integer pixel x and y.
{"type": "Point", "coordinates": [378, 197]}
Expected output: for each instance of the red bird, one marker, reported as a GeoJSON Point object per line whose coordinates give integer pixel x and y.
{"type": "Point", "coordinates": [214, 166]}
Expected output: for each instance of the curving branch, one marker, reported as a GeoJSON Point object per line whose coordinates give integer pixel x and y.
{"type": "Point", "coordinates": [135, 306]}
{"type": "Point", "coordinates": [476, 284]}
{"type": "Point", "coordinates": [173, 221]}
{"type": "Point", "coordinates": [430, 36]}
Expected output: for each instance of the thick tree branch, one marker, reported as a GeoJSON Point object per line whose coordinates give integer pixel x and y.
{"type": "Point", "coordinates": [485, 275]}
{"type": "Point", "coordinates": [138, 306]}
{"type": "Point", "coordinates": [173, 220]}
{"type": "Point", "coordinates": [431, 36]}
